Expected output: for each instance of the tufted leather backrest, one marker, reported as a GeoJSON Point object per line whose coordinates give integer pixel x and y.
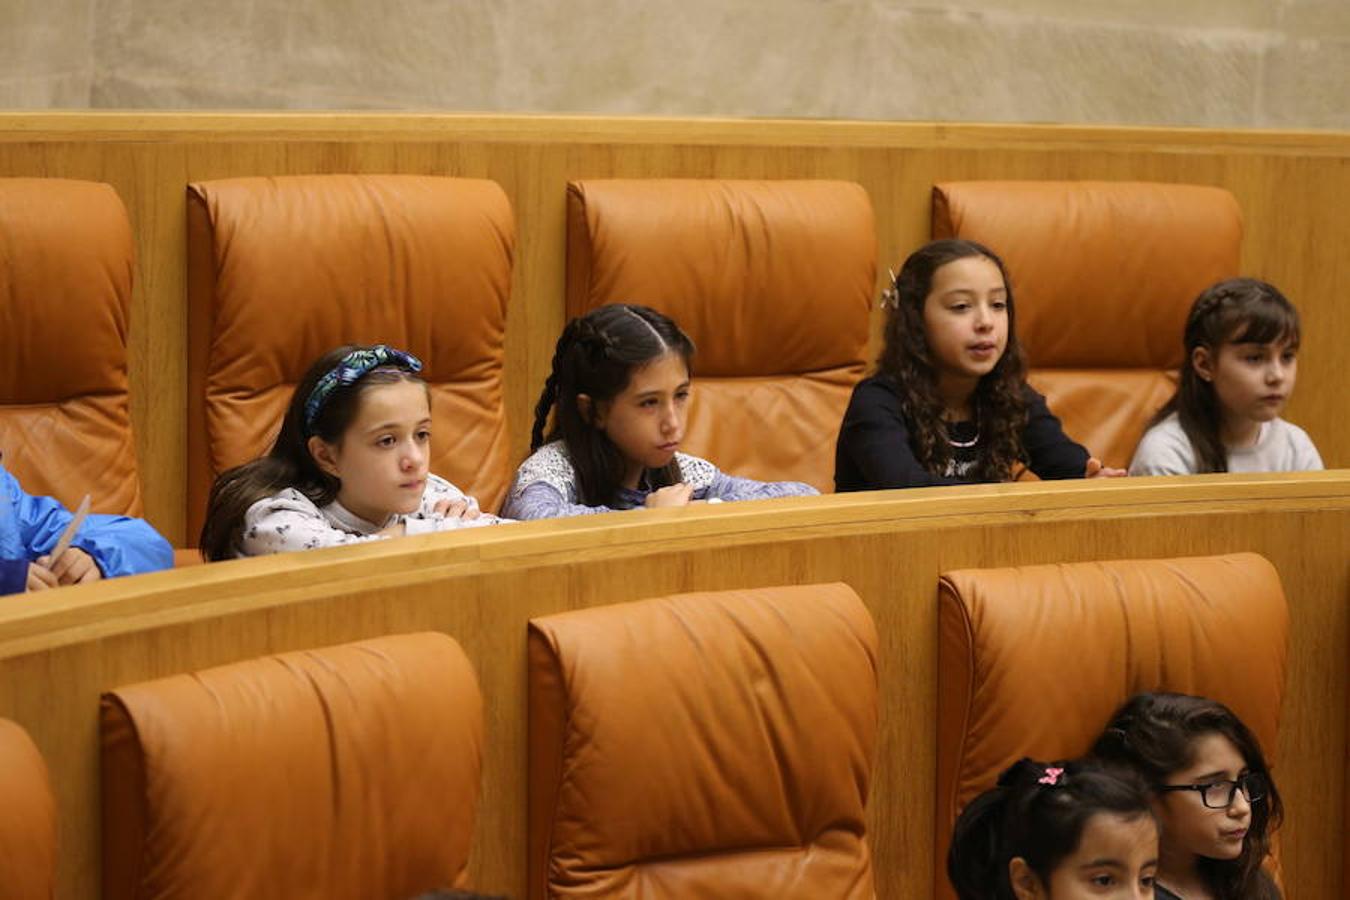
{"type": "Point", "coordinates": [773, 280]}
{"type": "Point", "coordinates": [1032, 661]}
{"type": "Point", "coordinates": [27, 819]}
{"type": "Point", "coordinates": [703, 745]}
{"type": "Point", "coordinates": [65, 293]}
{"type": "Point", "coordinates": [281, 270]}
{"type": "Point", "coordinates": [345, 772]}
{"type": "Point", "coordinates": [1103, 274]}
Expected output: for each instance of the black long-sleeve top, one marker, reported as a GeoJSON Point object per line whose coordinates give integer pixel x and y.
{"type": "Point", "coordinates": [874, 450]}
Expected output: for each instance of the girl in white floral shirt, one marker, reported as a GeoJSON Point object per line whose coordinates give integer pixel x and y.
{"type": "Point", "coordinates": [349, 465]}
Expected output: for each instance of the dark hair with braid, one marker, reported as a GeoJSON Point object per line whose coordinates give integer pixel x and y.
{"type": "Point", "coordinates": [1237, 311]}
{"type": "Point", "coordinates": [289, 464]}
{"type": "Point", "coordinates": [1036, 812]}
{"type": "Point", "coordinates": [1155, 734]}
{"type": "Point", "coordinates": [998, 402]}
{"type": "Point", "coordinates": [597, 355]}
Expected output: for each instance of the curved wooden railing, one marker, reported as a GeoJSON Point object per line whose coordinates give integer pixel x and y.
{"type": "Point", "coordinates": [57, 652]}
{"type": "Point", "coordinates": [1290, 185]}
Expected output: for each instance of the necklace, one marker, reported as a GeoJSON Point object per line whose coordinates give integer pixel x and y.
{"type": "Point", "coordinates": [965, 445]}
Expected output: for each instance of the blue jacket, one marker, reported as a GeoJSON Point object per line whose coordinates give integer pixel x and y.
{"type": "Point", "coordinates": [30, 526]}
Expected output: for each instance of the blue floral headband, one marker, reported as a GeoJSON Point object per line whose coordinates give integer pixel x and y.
{"type": "Point", "coordinates": [351, 369]}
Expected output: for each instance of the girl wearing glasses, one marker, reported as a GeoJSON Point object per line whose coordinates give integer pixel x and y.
{"type": "Point", "coordinates": [1213, 795]}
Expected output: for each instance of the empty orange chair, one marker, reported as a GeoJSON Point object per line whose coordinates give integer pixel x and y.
{"type": "Point", "coordinates": [65, 276]}
{"type": "Point", "coordinates": [347, 772]}
{"type": "Point", "coordinates": [1104, 274]}
{"type": "Point", "coordinates": [27, 819]}
{"type": "Point", "coordinates": [773, 280]}
{"type": "Point", "coordinates": [281, 270]}
{"type": "Point", "coordinates": [1033, 661]}
{"type": "Point", "coordinates": [703, 745]}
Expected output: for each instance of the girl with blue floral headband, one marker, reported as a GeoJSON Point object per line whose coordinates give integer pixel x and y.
{"type": "Point", "coordinates": [350, 464]}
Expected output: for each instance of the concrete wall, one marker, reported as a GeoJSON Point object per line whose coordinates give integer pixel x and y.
{"type": "Point", "coordinates": [1225, 63]}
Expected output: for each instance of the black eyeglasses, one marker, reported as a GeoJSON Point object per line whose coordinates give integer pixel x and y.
{"type": "Point", "coordinates": [1220, 794]}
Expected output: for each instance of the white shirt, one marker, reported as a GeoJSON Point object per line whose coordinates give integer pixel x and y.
{"type": "Point", "coordinates": [1280, 447]}
{"type": "Point", "coordinates": [291, 521]}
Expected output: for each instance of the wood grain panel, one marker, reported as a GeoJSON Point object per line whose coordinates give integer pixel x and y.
{"type": "Point", "coordinates": [57, 653]}
{"type": "Point", "coordinates": [1291, 187]}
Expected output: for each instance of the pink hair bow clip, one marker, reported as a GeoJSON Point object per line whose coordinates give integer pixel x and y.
{"type": "Point", "coordinates": [1051, 776]}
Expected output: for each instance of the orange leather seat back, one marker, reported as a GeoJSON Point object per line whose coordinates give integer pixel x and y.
{"type": "Point", "coordinates": [27, 819]}
{"type": "Point", "coordinates": [703, 745]}
{"type": "Point", "coordinates": [65, 280]}
{"type": "Point", "coordinates": [350, 772]}
{"type": "Point", "coordinates": [281, 270]}
{"type": "Point", "coordinates": [773, 280]}
{"type": "Point", "coordinates": [1033, 661]}
{"type": "Point", "coordinates": [1103, 274]}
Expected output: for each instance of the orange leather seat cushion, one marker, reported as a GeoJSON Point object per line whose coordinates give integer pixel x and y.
{"type": "Point", "coordinates": [773, 280]}
{"type": "Point", "coordinates": [65, 280]}
{"type": "Point", "coordinates": [27, 819]}
{"type": "Point", "coordinates": [1032, 661]}
{"type": "Point", "coordinates": [350, 773]}
{"type": "Point", "coordinates": [281, 270]}
{"type": "Point", "coordinates": [1103, 274]}
{"type": "Point", "coordinates": [703, 745]}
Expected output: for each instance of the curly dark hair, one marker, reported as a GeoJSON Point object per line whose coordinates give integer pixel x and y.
{"type": "Point", "coordinates": [999, 403]}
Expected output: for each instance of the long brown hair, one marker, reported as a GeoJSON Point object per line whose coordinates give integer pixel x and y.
{"type": "Point", "coordinates": [289, 464]}
{"type": "Point", "coordinates": [1237, 311]}
{"type": "Point", "coordinates": [999, 405]}
{"type": "Point", "coordinates": [1154, 734]}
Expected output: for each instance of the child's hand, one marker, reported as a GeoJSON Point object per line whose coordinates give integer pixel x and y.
{"type": "Point", "coordinates": [40, 577]}
{"type": "Point", "coordinates": [1095, 469]}
{"type": "Point", "coordinates": [73, 567]}
{"type": "Point", "coordinates": [456, 509]}
{"type": "Point", "coordinates": [672, 495]}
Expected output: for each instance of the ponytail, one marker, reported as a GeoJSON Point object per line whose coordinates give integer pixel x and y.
{"type": "Point", "coordinates": [975, 862]}
{"type": "Point", "coordinates": [547, 400]}
{"type": "Point", "coordinates": [1037, 812]}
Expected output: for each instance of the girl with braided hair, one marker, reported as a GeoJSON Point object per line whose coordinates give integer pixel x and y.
{"type": "Point", "coordinates": [1056, 831]}
{"type": "Point", "coordinates": [618, 395]}
{"type": "Point", "coordinates": [1241, 342]}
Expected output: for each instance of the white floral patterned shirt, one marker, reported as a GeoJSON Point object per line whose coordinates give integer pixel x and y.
{"type": "Point", "coordinates": [291, 521]}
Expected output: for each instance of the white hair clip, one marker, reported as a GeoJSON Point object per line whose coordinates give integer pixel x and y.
{"type": "Point", "coordinates": [890, 297]}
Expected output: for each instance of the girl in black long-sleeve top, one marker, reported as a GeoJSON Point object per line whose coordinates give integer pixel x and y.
{"type": "Point", "coordinates": [950, 403]}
